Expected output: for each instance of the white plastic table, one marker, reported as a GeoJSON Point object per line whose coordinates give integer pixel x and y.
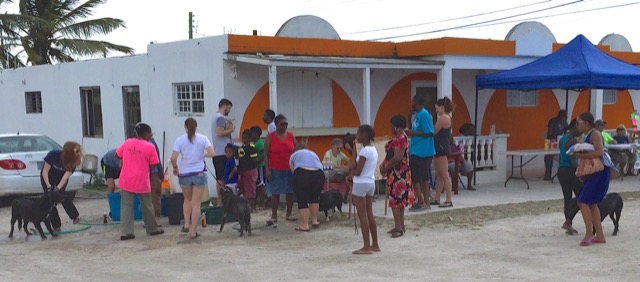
{"type": "Point", "coordinates": [532, 154]}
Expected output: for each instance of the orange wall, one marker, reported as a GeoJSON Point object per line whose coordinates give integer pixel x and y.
{"type": "Point", "coordinates": [253, 114]}
{"type": "Point", "coordinates": [613, 114]}
{"type": "Point", "coordinates": [344, 115]}
{"type": "Point", "coordinates": [309, 46]}
{"type": "Point", "coordinates": [527, 126]}
{"type": "Point", "coordinates": [456, 46]}
{"type": "Point", "coordinates": [344, 112]}
{"type": "Point", "coordinates": [244, 44]}
{"type": "Point", "coordinates": [398, 101]}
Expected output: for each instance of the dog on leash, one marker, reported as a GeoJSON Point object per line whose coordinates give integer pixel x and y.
{"type": "Point", "coordinates": [611, 205]}
{"type": "Point", "coordinates": [25, 210]}
{"type": "Point", "coordinates": [329, 201]}
{"type": "Point", "coordinates": [240, 207]}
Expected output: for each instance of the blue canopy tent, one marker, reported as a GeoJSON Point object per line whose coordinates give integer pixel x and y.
{"type": "Point", "coordinates": [577, 65]}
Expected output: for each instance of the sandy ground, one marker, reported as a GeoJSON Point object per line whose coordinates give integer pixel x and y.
{"type": "Point", "coordinates": [505, 242]}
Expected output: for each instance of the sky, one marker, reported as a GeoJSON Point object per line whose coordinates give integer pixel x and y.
{"type": "Point", "coordinates": [166, 21]}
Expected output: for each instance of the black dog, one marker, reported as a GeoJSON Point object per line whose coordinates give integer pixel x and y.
{"type": "Point", "coordinates": [330, 200]}
{"type": "Point", "coordinates": [611, 205]}
{"type": "Point", "coordinates": [36, 211]}
{"type": "Point", "coordinates": [240, 207]}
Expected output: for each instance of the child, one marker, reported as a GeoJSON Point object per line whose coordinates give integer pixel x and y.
{"type": "Point", "coordinates": [248, 168]}
{"type": "Point", "coordinates": [258, 143]}
{"type": "Point", "coordinates": [363, 187]}
{"type": "Point", "coordinates": [230, 178]}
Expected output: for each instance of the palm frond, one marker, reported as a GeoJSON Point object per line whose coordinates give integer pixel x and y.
{"type": "Point", "coordinates": [90, 48]}
{"type": "Point", "coordinates": [8, 59]}
{"type": "Point", "coordinates": [91, 28]}
{"type": "Point", "coordinates": [82, 11]}
{"type": "Point", "coordinates": [60, 56]}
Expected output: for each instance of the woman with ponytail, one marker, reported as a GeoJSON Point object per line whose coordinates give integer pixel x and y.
{"type": "Point", "coordinates": [193, 147]}
{"type": "Point", "coordinates": [442, 142]}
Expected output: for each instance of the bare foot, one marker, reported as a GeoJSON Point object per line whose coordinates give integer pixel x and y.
{"type": "Point", "coordinates": [361, 252]}
{"type": "Point", "coordinates": [376, 249]}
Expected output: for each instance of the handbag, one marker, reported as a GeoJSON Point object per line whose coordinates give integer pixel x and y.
{"type": "Point", "coordinates": [589, 166]}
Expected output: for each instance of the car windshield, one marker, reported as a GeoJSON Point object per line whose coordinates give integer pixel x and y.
{"type": "Point", "coordinates": [21, 144]}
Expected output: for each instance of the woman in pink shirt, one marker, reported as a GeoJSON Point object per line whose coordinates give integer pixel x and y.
{"type": "Point", "coordinates": [138, 156]}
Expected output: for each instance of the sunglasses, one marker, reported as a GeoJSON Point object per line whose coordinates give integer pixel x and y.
{"type": "Point", "coordinates": [284, 123]}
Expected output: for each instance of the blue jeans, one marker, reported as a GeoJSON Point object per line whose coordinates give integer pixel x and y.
{"type": "Point", "coordinates": [281, 182]}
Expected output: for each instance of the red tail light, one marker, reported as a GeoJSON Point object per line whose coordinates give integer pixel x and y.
{"type": "Point", "coordinates": [12, 164]}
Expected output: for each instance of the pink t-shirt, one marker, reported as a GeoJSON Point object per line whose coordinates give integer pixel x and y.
{"type": "Point", "coordinates": [137, 155]}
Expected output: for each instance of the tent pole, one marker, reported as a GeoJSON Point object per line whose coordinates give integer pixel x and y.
{"type": "Point", "coordinates": [589, 104]}
{"type": "Point", "coordinates": [566, 100]}
{"type": "Point", "coordinates": [475, 139]}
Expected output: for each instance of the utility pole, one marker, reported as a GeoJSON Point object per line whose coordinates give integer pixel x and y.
{"type": "Point", "coordinates": [190, 25]}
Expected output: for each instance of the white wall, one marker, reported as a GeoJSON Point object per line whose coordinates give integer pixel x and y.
{"type": "Point", "coordinates": [198, 60]}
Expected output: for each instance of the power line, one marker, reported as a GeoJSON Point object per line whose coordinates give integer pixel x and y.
{"type": "Point", "coordinates": [478, 23]}
{"type": "Point", "coordinates": [555, 15]}
{"type": "Point", "coordinates": [447, 20]}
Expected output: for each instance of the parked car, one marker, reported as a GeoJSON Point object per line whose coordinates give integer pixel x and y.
{"type": "Point", "coordinates": [22, 158]}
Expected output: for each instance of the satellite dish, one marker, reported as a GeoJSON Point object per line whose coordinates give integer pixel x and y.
{"type": "Point", "coordinates": [307, 26]}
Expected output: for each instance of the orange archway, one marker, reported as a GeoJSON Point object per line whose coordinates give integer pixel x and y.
{"type": "Point", "coordinates": [613, 114]}
{"type": "Point", "coordinates": [398, 101]}
{"type": "Point", "coordinates": [527, 126]}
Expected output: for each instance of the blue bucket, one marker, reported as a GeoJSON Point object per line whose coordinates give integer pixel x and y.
{"type": "Point", "coordinates": [114, 205]}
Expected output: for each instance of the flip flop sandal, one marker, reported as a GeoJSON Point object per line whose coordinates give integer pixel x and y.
{"type": "Point", "coordinates": [586, 242]}
{"type": "Point", "coordinates": [194, 237]}
{"type": "Point", "coordinates": [157, 232]}
{"type": "Point", "coordinates": [291, 218]}
{"type": "Point", "coordinates": [301, 230]}
{"type": "Point", "coordinates": [446, 205]}
{"type": "Point", "coordinates": [434, 203]}
{"type": "Point", "coordinates": [184, 230]}
{"type": "Point", "coordinates": [361, 252]}
{"type": "Point", "coordinates": [127, 237]}
{"type": "Point", "coordinates": [314, 226]}
{"type": "Point", "coordinates": [397, 234]}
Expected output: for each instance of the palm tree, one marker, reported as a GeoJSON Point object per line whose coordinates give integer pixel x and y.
{"type": "Point", "coordinates": [9, 39]}
{"type": "Point", "coordinates": [58, 36]}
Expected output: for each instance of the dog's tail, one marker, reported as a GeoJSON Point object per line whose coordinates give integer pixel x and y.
{"type": "Point", "coordinates": [20, 224]}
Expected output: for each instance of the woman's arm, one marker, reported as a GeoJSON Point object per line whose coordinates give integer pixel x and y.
{"type": "Point", "coordinates": [45, 174]}
{"type": "Point", "coordinates": [598, 147]}
{"type": "Point", "coordinates": [398, 154]}
{"type": "Point", "coordinates": [174, 163]}
{"type": "Point", "coordinates": [210, 153]}
{"type": "Point", "coordinates": [64, 179]}
{"type": "Point", "coordinates": [439, 124]}
{"type": "Point", "coordinates": [359, 166]}
{"type": "Point", "coordinates": [267, 153]}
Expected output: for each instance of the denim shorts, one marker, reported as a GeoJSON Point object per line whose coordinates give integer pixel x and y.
{"type": "Point", "coordinates": [199, 179]}
{"type": "Point", "coordinates": [281, 182]}
{"type": "Point", "coordinates": [363, 189]}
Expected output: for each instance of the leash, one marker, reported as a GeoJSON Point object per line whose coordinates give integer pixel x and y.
{"type": "Point", "coordinates": [269, 224]}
